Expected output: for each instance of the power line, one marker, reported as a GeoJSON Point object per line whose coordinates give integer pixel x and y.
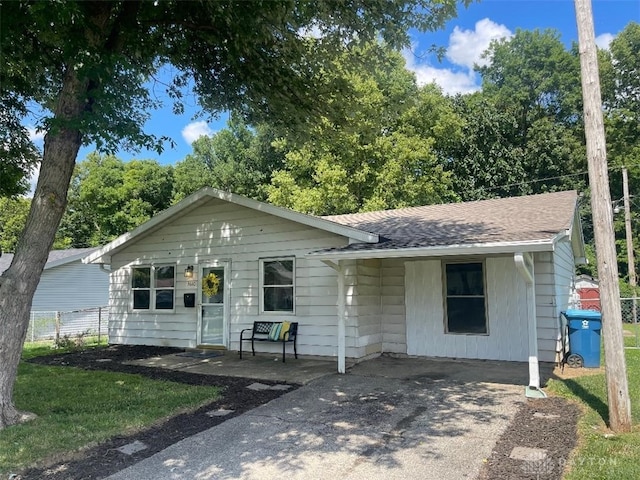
{"type": "Point", "coordinates": [568, 175]}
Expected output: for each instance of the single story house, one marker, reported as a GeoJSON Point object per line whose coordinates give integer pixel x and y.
{"type": "Point", "coordinates": [475, 280]}
{"type": "Point", "coordinates": [66, 283]}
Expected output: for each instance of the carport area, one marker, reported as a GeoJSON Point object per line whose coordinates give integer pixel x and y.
{"type": "Point", "coordinates": [387, 418]}
{"type": "Point", "coordinates": [306, 369]}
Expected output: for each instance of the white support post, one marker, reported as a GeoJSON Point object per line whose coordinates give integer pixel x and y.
{"type": "Point", "coordinates": [524, 264]}
{"type": "Point", "coordinates": [341, 320]}
{"type": "Point", "coordinates": [342, 315]}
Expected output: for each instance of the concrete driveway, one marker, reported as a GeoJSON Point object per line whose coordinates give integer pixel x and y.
{"type": "Point", "coordinates": [380, 421]}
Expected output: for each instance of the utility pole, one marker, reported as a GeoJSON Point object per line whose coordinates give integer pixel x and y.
{"type": "Point", "coordinates": [627, 226]}
{"type": "Point", "coordinates": [615, 365]}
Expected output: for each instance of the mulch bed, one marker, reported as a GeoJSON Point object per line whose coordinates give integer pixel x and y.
{"type": "Point", "coordinates": [103, 460]}
{"type": "Point", "coordinates": [548, 424]}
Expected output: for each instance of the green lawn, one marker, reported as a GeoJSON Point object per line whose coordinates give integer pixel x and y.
{"type": "Point", "coordinates": [601, 455]}
{"type": "Point", "coordinates": [632, 340]}
{"type": "Point", "coordinates": [77, 408]}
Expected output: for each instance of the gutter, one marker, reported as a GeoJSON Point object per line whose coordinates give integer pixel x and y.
{"type": "Point", "coordinates": [524, 265]}
{"type": "Point", "coordinates": [438, 251]}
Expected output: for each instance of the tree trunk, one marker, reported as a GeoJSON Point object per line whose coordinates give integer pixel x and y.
{"type": "Point", "coordinates": [19, 282]}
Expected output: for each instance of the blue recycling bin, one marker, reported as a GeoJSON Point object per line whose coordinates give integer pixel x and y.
{"type": "Point", "coordinates": [584, 338]}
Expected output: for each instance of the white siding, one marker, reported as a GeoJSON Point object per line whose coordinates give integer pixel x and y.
{"type": "Point", "coordinates": [369, 339]}
{"type": "Point", "coordinates": [506, 313]}
{"type": "Point", "coordinates": [547, 310]}
{"type": "Point", "coordinates": [564, 270]}
{"type": "Point", "coordinates": [425, 312]}
{"type": "Point", "coordinates": [72, 286]}
{"type": "Point", "coordinates": [394, 326]}
{"type": "Point", "coordinates": [223, 231]}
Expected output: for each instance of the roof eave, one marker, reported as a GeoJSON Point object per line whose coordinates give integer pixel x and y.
{"type": "Point", "coordinates": [104, 254]}
{"type": "Point", "coordinates": [494, 248]}
{"type": "Point", "coordinates": [65, 260]}
{"type": "Point", "coordinates": [311, 221]}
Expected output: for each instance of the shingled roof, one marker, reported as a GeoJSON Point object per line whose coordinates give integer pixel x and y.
{"type": "Point", "coordinates": [56, 257]}
{"type": "Point", "coordinates": [533, 219]}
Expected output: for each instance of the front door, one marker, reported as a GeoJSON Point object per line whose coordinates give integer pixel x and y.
{"type": "Point", "coordinates": [212, 309]}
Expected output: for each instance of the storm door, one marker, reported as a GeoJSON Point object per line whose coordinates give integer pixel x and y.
{"type": "Point", "coordinates": [212, 316]}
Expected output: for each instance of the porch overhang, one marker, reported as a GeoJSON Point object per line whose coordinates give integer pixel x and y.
{"type": "Point", "coordinates": [495, 248]}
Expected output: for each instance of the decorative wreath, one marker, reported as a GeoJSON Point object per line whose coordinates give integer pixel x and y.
{"type": "Point", "coordinates": [210, 284]}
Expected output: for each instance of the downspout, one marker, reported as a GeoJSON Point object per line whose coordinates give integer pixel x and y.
{"type": "Point", "coordinates": [524, 264]}
{"type": "Point", "coordinates": [341, 305]}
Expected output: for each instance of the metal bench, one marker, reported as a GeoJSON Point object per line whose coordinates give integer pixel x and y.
{"type": "Point", "coordinates": [260, 333]}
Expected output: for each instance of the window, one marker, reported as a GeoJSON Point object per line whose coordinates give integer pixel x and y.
{"type": "Point", "coordinates": [278, 284]}
{"type": "Point", "coordinates": [465, 300]}
{"type": "Point", "coordinates": [153, 287]}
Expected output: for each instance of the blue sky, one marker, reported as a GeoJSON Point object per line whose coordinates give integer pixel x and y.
{"type": "Point", "coordinates": [464, 37]}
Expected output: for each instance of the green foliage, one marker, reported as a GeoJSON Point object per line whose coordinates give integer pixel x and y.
{"type": "Point", "coordinates": [109, 197]}
{"type": "Point", "coordinates": [72, 343]}
{"type": "Point", "coordinates": [535, 76]}
{"type": "Point", "coordinates": [521, 132]}
{"type": "Point", "coordinates": [250, 57]}
{"type": "Point", "coordinates": [13, 215]}
{"type": "Point", "coordinates": [622, 97]}
{"type": "Point", "coordinates": [379, 153]}
{"type": "Point", "coordinates": [236, 159]}
{"type": "Point", "coordinates": [626, 290]}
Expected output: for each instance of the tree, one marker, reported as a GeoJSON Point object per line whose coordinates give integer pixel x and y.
{"type": "Point", "coordinates": [487, 161]}
{"type": "Point", "coordinates": [13, 215]}
{"type": "Point", "coordinates": [521, 133]}
{"type": "Point", "coordinates": [380, 153]}
{"type": "Point", "coordinates": [18, 155]}
{"type": "Point", "coordinates": [109, 197]}
{"type": "Point", "coordinates": [236, 159]}
{"type": "Point", "coordinates": [87, 63]}
{"type": "Point", "coordinates": [533, 74]}
{"type": "Point", "coordinates": [621, 98]}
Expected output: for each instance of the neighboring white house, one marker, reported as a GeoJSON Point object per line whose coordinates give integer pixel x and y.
{"type": "Point", "coordinates": [66, 283]}
{"type": "Point", "coordinates": [478, 280]}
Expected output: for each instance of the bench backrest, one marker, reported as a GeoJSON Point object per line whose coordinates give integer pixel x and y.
{"type": "Point", "coordinates": [263, 328]}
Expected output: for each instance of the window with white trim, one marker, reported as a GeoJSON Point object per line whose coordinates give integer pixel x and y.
{"type": "Point", "coordinates": [153, 287]}
{"type": "Point", "coordinates": [465, 298]}
{"type": "Point", "coordinates": [277, 289]}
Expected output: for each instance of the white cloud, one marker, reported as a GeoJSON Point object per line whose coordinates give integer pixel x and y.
{"type": "Point", "coordinates": [195, 130]}
{"type": "Point", "coordinates": [603, 41]}
{"type": "Point", "coordinates": [311, 31]}
{"type": "Point", "coordinates": [33, 180]}
{"type": "Point", "coordinates": [450, 81]}
{"type": "Point", "coordinates": [467, 46]}
{"type": "Point", "coordinates": [465, 49]}
{"type": "Point", "coordinates": [35, 135]}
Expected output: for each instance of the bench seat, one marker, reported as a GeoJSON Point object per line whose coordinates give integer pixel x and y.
{"type": "Point", "coordinates": [264, 332]}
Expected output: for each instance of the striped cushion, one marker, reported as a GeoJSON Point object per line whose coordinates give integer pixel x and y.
{"type": "Point", "coordinates": [274, 333]}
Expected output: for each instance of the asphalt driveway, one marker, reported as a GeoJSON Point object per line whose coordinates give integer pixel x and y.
{"type": "Point", "coordinates": [354, 426]}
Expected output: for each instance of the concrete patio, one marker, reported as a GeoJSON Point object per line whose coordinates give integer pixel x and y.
{"type": "Point", "coordinates": [305, 369]}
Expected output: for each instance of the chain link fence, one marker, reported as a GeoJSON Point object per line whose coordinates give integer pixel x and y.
{"type": "Point", "coordinates": [630, 311]}
{"type": "Point", "coordinates": [55, 325]}
{"type": "Point", "coordinates": [630, 308]}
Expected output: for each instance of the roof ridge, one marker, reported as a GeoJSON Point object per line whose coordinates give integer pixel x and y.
{"type": "Point", "coordinates": [444, 205]}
